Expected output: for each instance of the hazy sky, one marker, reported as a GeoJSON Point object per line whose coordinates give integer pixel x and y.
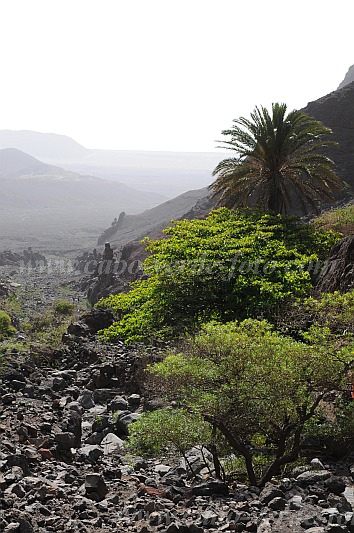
{"type": "Point", "coordinates": [164, 74]}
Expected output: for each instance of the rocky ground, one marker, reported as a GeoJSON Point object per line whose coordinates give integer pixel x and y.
{"type": "Point", "coordinates": [64, 464]}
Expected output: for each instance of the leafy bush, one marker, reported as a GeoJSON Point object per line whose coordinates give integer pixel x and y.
{"type": "Point", "coordinates": [6, 329]}
{"type": "Point", "coordinates": [167, 431]}
{"type": "Point", "coordinates": [63, 307]}
{"type": "Point", "coordinates": [233, 264]}
{"type": "Point", "coordinates": [256, 387]}
{"type": "Point", "coordinates": [327, 318]}
{"type": "Point", "coordinates": [333, 429]}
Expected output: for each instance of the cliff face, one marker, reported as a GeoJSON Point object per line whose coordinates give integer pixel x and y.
{"type": "Point", "coordinates": [336, 110]}
{"type": "Point", "coordinates": [349, 77]}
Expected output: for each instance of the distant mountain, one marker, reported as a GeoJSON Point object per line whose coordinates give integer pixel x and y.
{"type": "Point", "coordinates": [336, 110]}
{"type": "Point", "coordinates": [168, 173]}
{"type": "Point", "coordinates": [349, 77]}
{"type": "Point", "coordinates": [47, 204]}
{"type": "Point", "coordinates": [14, 163]}
{"type": "Point", "coordinates": [45, 146]}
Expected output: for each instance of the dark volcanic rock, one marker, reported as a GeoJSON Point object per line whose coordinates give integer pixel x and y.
{"type": "Point", "coordinates": [336, 111]}
{"type": "Point", "coordinates": [92, 322]}
{"type": "Point", "coordinates": [338, 271]}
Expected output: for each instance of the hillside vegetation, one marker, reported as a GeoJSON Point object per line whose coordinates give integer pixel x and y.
{"type": "Point", "coordinates": [256, 358]}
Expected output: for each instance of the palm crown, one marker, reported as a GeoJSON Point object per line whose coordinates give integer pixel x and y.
{"type": "Point", "coordinates": [280, 163]}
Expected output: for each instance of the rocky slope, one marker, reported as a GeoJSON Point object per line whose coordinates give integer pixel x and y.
{"type": "Point", "coordinates": [133, 227]}
{"type": "Point", "coordinates": [349, 77]}
{"type": "Point", "coordinates": [336, 110]}
{"type": "Point", "coordinates": [64, 466]}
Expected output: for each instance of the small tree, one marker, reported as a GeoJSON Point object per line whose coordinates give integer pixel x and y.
{"type": "Point", "coordinates": [256, 387]}
{"type": "Point", "coordinates": [167, 431]}
{"type": "Point", "coordinates": [233, 264]}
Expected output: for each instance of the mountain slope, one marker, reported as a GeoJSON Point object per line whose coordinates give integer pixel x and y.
{"type": "Point", "coordinates": [44, 146]}
{"type": "Point", "coordinates": [152, 220]}
{"type": "Point", "coordinates": [336, 110]}
{"type": "Point", "coordinates": [48, 204]}
{"type": "Point", "coordinates": [349, 77]}
{"type": "Point", "coordinates": [168, 173]}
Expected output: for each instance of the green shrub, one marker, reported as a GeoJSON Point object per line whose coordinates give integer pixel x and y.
{"type": "Point", "coordinates": [233, 264]}
{"type": "Point", "coordinates": [6, 329]}
{"type": "Point", "coordinates": [327, 318]}
{"type": "Point", "coordinates": [256, 387]}
{"type": "Point", "coordinates": [333, 429]}
{"type": "Point", "coordinates": [167, 431]}
{"type": "Point", "coordinates": [63, 307]}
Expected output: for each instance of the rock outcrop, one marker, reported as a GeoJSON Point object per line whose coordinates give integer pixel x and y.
{"type": "Point", "coordinates": [28, 258]}
{"type": "Point", "coordinates": [336, 110]}
{"type": "Point", "coordinates": [349, 77]}
{"type": "Point", "coordinates": [337, 273]}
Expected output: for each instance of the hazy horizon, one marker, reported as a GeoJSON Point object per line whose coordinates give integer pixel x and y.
{"type": "Point", "coordinates": [164, 76]}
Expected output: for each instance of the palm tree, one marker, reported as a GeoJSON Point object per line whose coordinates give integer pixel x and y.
{"type": "Point", "coordinates": [280, 164]}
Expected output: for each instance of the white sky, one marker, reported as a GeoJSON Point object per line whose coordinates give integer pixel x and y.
{"type": "Point", "coordinates": [164, 74]}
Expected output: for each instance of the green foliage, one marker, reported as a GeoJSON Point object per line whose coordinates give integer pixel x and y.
{"type": "Point", "coordinates": [341, 219]}
{"type": "Point", "coordinates": [255, 386]}
{"type": "Point", "coordinates": [333, 428]}
{"type": "Point", "coordinates": [279, 163]}
{"type": "Point", "coordinates": [233, 264]}
{"type": "Point", "coordinates": [167, 431]}
{"type": "Point", "coordinates": [327, 319]}
{"type": "Point", "coordinates": [63, 307]}
{"type": "Point", "coordinates": [6, 329]}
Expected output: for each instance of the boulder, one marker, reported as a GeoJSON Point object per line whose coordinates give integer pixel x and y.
{"type": "Point", "coordinates": [337, 273]}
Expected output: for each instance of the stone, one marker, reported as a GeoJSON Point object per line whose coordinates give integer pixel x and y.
{"type": "Point", "coordinates": [17, 385]}
{"type": "Point", "coordinates": [18, 490]}
{"type": "Point", "coordinates": [86, 399]}
{"type": "Point", "coordinates": [7, 399]}
{"type": "Point", "coordinates": [118, 404]}
{"type": "Point", "coordinates": [134, 400]}
{"type": "Point", "coordinates": [90, 453]}
{"type": "Point", "coordinates": [72, 424]}
{"type": "Point", "coordinates": [161, 469]}
{"type": "Point", "coordinates": [309, 522]}
{"type": "Point", "coordinates": [210, 487]}
{"type": "Point", "coordinates": [95, 485]}
{"type": "Point", "coordinates": [335, 484]}
{"type": "Point", "coordinates": [124, 422]}
{"type": "Point", "coordinates": [277, 504]}
{"type": "Point", "coordinates": [270, 492]}
{"type": "Point", "coordinates": [311, 477]}
{"type": "Point", "coordinates": [316, 464]}
{"type": "Point", "coordinates": [18, 460]}
{"type": "Point", "coordinates": [103, 396]}
{"type": "Point", "coordinates": [112, 444]}
{"type": "Point", "coordinates": [336, 528]}
{"type": "Point", "coordinates": [65, 440]}
{"type": "Point", "coordinates": [295, 503]}
{"type": "Point", "coordinates": [13, 527]}
{"type": "Point", "coordinates": [59, 384]}
{"type": "Point", "coordinates": [45, 454]}
{"type": "Point", "coordinates": [100, 423]}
